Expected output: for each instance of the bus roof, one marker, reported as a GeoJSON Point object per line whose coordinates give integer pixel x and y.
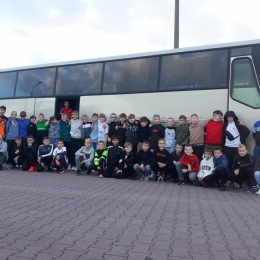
{"type": "Point", "coordinates": [140, 55]}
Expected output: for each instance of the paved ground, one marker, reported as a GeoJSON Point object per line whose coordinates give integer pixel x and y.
{"type": "Point", "coordinates": [50, 216]}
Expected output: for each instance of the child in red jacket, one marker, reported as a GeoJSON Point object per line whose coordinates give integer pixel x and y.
{"type": "Point", "coordinates": [187, 165]}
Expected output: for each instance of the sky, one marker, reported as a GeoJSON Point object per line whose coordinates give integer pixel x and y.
{"type": "Point", "coordinates": [45, 31]}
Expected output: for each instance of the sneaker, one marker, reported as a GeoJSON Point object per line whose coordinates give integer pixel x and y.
{"type": "Point", "coordinates": [69, 167]}
{"type": "Point", "coordinates": [228, 184]}
{"type": "Point", "coordinates": [181, 183]}
{"type": "Point", "coordinates": [236, 185]}
{"type": "Point", "coordinates": [88, 172]}
{"type": "Point", "coordinates": [146, 178]}
{"type": "Point", "coordinates": [151, 176]}
{"type": "Point", "coordinates": [78, 172]}
{"type": "Point", "coordinates": [240, 186]}
{"type": "Point", "coordinates": [255, 187]}
{"type": "Point", "coordinates": [1, 167]}
{"type": "Point", "coordinates": [258, 192]}
{"type": "Point", "coordinates": [32, 169]}
{"type": "Point", "coordinates": [60, 171]}
{"type": "Point", "coordinates": [141, 177]}
{"type": "Point", "coordinates": [7, 166]}
{"type": "Point", "coordinates": [20, 166]}
{"type": "Point", "coordinates": [73, 168]}
{"type": "Point", "coordinates": [49, 169]}
{"type": "Point", "coordinates": [100, 176]}
{"type": "Point", "coordinates": [222, 187]}
{"type": "Point", "coordinates": [10, 166]}
{"type": "Point", "coordinates": [249, 189]}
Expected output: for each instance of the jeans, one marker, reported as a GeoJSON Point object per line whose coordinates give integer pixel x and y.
{"type": "Point", "coordinates": [170, 149]}
{"type": "Point", "coordinates": [94, 145]}
{"type": "Point", "coordinates": [78, 159]}
{"type": "Point", "coordinates": [179, 167]}
{"type": "Point", "coordinates": [257, 177]}
{"type": "Point", "coordinates": [54, 142]}
{"type": "Point", "coordinates": [138, 171]}
{"type": "Point", "coordinates": [256, 153]}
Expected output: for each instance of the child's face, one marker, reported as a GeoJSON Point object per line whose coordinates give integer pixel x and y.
{"type": "Point", "coordinates": [64, 118]}
{"type": "Point", "coordinates": [156, 120]}
{"type": "Point", "coordinates": [144, 124]}
{"type": "Point", "coordinates": [182, 121]}
{"type": "Point", "coordinates": [30, 140]}
{"type": "Point", "coordinates": [230, 119]}
{"type": "Point", "coordinates": [84, 119]}
{"type": "Point", "coordinates": [100, 146]}
{"type": "Point", "coordinates": [242, 151]}
{"type": "Point", "coordinates": [87, 144]}
{"type": "Point", "coordinates": [94, 119]}
{"type": "Point", "coordinates": [188, 150]}
{"type": "Point", "coordinates": [13, 115]}
{"type": "Point", "coordinates": [40, 118]}
{"type": "Point", "coordinates": [112, 118]}
{"type": "Point", "coordinates": [46, 142]}
{"type": "Point", "coordinates": [122, 119]}
{"type": "Point", "coordinates": [2, 112]}
{"type": "Point", "coordinates": [194, 120]}
{"type": "Point", "coordinates": [170, 122]}
{"type": "Point", "coordinates": [101, 119]}
{"type": "Point", "coordinates": [66, 104]}
{"type": "Point", "coordinates": [32, 120]}
{"type": "Point", "coordinates": [207, 155]}
{"type": "Point", "coordinates": [115, 141]}
{"type": "Point", "coordinates": [217, 118]}
{"type": "Point", "coordinates": [145, 147]}
{"type": "Point", "coordinates": [60, 144]}
{"type": "Point", "coordinates": [178, 148]}
{"type": "Point", "coordinates": [75, 116]}
{"type": "Point", "coordinates": [217, 154]}
{"type": "Point", "coordinates": [54, 121]}
{"type": "Point", "coordinates": [161, 144]}
{"type": "Point", "coordinates": [18, 142]}
{"type": "Point", "coordinates": [131, 120]}
{"type": "Point", "coordinates": [128, 149]}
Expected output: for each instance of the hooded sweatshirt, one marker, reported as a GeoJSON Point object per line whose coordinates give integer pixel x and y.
{"type": "Point", "coordinates": [156, 132]}
{"type": "Point", "coordinates": [169, 137]}
{"type": "Point", "coordinates": [206, 167]}
{"type": "Point", "coordinates": [256, 133]}
{"type": "Point", "coordinates": [54, 131]}
{"type": "Point", "coordinates": [3, 147]}
{"type": "Point", "coordinates": [234, 133]}
{"type": "Point", "coordinates": [143, 132]}
{"type": "Point", "coordinates": [131, 131]}
{"type": "Point", "coordinates": [12, 130]}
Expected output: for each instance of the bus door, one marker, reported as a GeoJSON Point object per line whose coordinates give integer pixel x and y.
{"type": "Point", "coordinates": [244, 91]}
{"type": "Point", "coordinates": [73, 104]}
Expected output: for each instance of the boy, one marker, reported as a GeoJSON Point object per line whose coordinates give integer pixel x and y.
{"type": "Point", "coordinates": [100, 157]}
{"type": "Point", "coordinates": [3, 121]}
{"type": "Point", "coordinates": [3, 152]}
{"type": "Point", "coordinates": [44, 155]}
{"type": "Point", "coordinates": [41, 128]}
{"type": "Point", "coordinates": [114, 154]}
{"type": "Point", "coordinates": [256, 135]}
{"type": "Point", "coordinates": [242, 168]}
{"type": "Point", "coordinates": [59, 157]}
{"type": "Point", "coordinates": [220, 171]}
{"type": "Point", "coordinates": [170, 135]}
{"type": "Point", "coordinates": [31, 128]}
{"type": "Point", "coordinates": [175, 157]}
{"type": "Point", "coordinates": [54, 131]}
{"type": "Point", "coordinates": [125, 166]}
{"type": "Point", "coordinates": [112, 128]}
{"type": "Point", "coordinates": [188, 165]}
{"type": "Point", "coordinates": [144, 159]}
{"type": "Point", "coordinates": [156, 132]}
{"type": "Point", "coordinates": [257, 174]}
{"type": "Point", "coordinates": [102, 128]}
{"type": "Point", "coordinates": [94, 131]}
{"type": "Point", "coordinates": [121, 129]}
{"type": "Point", "coordinates": [23, 125]}
{"type": "Point", "coordinates": [182, 131]}
{"type": "Point", "coordinates": [65, 136]}
{"type": "Point", "coordinates": [196, 130]}
{"type": "Point", "coordinates": [85, 129]}
{"type": "Point", "coordinates": [75, 132]}
{"type": "Point", "coordinates": [131, 134]}
{"type": "Point", "coordinates": [160, 161]}
{"type": "Point", "coordinates": [16, 153]}
{"type": "Point", "coordinates": [66, 110]}
{"type": "Point", "coordinates": [143, 131]}
{"type": "Point", "coordinates": [85, 155]}
{"type": "Point", "coordinates": [30, 154]}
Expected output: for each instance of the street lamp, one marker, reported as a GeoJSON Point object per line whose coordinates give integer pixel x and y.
{"type": "Point", "coordinates": [176, 25]}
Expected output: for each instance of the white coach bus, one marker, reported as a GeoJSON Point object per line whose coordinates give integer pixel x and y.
{"type": "Point", "coordinates": [169, 83]}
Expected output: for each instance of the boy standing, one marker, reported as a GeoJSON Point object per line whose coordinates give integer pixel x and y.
{"type": "Point", "coordinates": [256, 135]}
{"type": "Point", "coordinates": [3, 152]}
{"type": "Point", "coordinates": [3, 121]}
{"type": "Point", "coordinates": [182, 131]}
{"type": "Point", "coordinates": [156, 132]}
{"type": "Point", "coordinates": [175, 157]}
{"type": "Point", "coordinates": [187, 165]}
{"type": "Point", "coordinates": [143, 131]}
{"type": "Point", "coordinates": [54, 131]}
{"type": "Point", "coordinates": [170, 135]}
{"type": "Point", "coordinates": [112, 128]}
{"type": "Point", "coordinates": [66, 110]}
{"type": "Point", "coordinates": [42, 128]}
{"type": "Point", "coordinates": [44, 155]}
{"type": "Point", "coordinates": [31, 128]}
{"type": "Point", "coordinates": [16, 154]}
{"type": "Point", "coordinates": [132, 132]}
{"type": "Point", "coordinates": [94, 131]}
{"type": "Point", "coordinates": [114, 154]}
{"type": "Point", "coordinates": [121, 129]}
{"type": "Point", "coordinates": [59, 157]}
{"type": "Point", "coordinates": [23, 125]}
{"type": "Point", "coordinates": [160, 161]}
{"type": "Point", "coordinates": [257, 174]}
{"type": "Point", "coordinates": [85, 129]}
{"type": "Point", "coordinates": [102, 128]}
{"type": "Point", "coordinates": [144, 159]}
{"type": "Point", "coordinates": [30, 154]}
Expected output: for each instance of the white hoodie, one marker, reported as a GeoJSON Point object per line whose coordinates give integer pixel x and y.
{"type": "Point", "coordinates": [206, 167]}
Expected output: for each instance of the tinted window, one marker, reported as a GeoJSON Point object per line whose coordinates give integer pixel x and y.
{"type": "Point", "coordinates": [194, 70]}
{"type": "Point", "coordinates": [129, 76]}
{"type": "Point", "coordinates": [7, 83]}
{"type": "Point", "coordinates": [79, 79]}
{"type": "Point", "coordinates": [244, 87]}
{"type": "Point", "coordinates": [27, 79]}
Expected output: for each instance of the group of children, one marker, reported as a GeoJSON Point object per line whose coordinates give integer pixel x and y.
{"type": "Point", "coordinates": [202, 152]}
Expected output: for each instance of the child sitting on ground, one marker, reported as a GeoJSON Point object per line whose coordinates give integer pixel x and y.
{"type": "Point", "coordinates": [59, 157]}
{"type": "Point", "coordinates": [144, 159]}
{"type": "Point", "coordinates": [30, 154]}
{"type": "Point", "coordinates": [3, 152]}
{"type": "Point", "coordinates": [175, 157]}
{"type": "Point", "coordinates": [44, 155]}
{"type": "Point", "coordinates": [257, 174]}
{"type": "Point", "coordinates": [16, 153]}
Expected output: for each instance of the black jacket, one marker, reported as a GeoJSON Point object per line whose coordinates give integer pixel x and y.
{"type": "Point", "coordinates": [257, 165]}
{"type": "Point", "coordinates": [243, 162]}
{"type": "Point", "coordinates": [143, 132]}
{"type": "Point", "coordinates": [19, 149]}
{"type": "Point", "coordinates": [30, 150]}
{"type": "Point", "coordinates": [121, 133]}
{"type": "Point", "coordinates": [175, 157]}
{"type": "Point", "coordinates": [144, 158]}
{"type": "Point", "coordinates": [161, 156]}
{"type": "Point", "coordinates": [127, 159]}
{"type": "Point", "coordinates": [131, 131]}
{"type": "Point", "coordinates": [44, 151]}
{"type": "Point", "coordinates": [242, 129]}
{"type": "Point", "coordinates": [112, 129]}
{"type": "Point", "coordinates": [156, 132]}
{"type": "Point", "coordinates": [114, 154]}
{"type": "Point", "coordinates": [31, 129]}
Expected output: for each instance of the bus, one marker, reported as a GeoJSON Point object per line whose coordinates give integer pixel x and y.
{"type": "Point", "coordinates": [169, 83]}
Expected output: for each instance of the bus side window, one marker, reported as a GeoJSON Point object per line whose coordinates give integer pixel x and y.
{"type": "Point", "coordinates": [244, 87]}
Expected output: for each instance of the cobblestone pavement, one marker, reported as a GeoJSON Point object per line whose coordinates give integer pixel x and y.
{"type": "Point", "coordinates": [50, 216]}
